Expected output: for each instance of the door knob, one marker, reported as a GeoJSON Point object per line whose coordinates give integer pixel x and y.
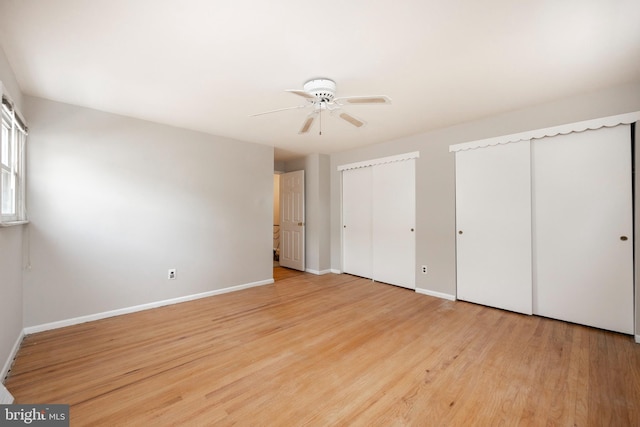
{"type": "Point", "coordinates": [412, 229]}
{"type": "Point", "coordinates": [624, 238]}
{"type": "Point", "coordinates": [460, 232]}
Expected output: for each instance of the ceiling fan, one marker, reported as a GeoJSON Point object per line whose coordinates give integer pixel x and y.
{"type": "Point", "coordinates": [320, 95]}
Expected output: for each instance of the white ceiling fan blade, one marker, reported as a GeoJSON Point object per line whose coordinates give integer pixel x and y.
{"type": "Point", "coordinates": [351, 119]}
{"type": "Point", "coordinates": [308, 122]}
{"type": "Point", "coordinates": [377, 99]}
{"type": "Point", "coordinates": [280, 109]}
{"type": "Point", "coordinates": [302, 93]}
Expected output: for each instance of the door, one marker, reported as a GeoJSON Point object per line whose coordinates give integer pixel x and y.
{"type": "Point", "coordinates": [493, 221]}
{"type": "Point", "coordinates": [292, 220]}
{"type": "Point", "coordinates": [583, 235]}
{"type": "Point", "coordinates": [356, 221]}
{"type": "Point", "coordinates": [393, 222]}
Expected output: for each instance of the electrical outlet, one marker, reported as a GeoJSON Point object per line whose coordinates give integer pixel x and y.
{"type": "Point", "coordinates": [424, 269]}
{"type": "Point", "coordinates": [172, 274]}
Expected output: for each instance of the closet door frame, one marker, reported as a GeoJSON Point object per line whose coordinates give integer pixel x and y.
{"type": "Point", "coordinates": [631, 118]}
{"type": "Point", "coordinates": [411, 156]}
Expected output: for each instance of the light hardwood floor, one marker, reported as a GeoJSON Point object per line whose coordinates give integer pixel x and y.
{"type": "Point", "coordinates": [331, 350]}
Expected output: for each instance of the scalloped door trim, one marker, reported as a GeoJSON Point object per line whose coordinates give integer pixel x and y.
{"type": "Point", "coordinates": [610, 121]}
{"type": "Point", "coordinates": [380, 161]}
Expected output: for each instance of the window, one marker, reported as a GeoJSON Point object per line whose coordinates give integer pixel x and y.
{"type": "Point", "coordinates": [12, 180]}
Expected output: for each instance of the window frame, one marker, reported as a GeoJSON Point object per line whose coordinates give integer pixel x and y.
{"type": "Point", "coordinates": [12, 161]}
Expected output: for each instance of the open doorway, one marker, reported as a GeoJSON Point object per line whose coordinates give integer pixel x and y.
{"type": "Point", "coordinates": [292, 223]}
{"type": "Point", "coordinates": [279, 273]}
{"type": "Point", "coordinates": [288, 224]}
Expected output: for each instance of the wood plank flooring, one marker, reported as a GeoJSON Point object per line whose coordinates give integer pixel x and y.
{"type": "Point", "coordinates": [331, 350]}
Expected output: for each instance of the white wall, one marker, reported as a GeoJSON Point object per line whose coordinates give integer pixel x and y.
{"type": "Point", "coordinates": [114, 202]}
{"type": "Point", "coordinates": [10, 255]}
{"type": "Point", "coordinates": [9, 81]}
{"type": "Point", "coordinates": [10, 293]}
{"type": "Point", "coordinates": [435, 179]}
{"type": "Point", "coordinates": [278, 166]}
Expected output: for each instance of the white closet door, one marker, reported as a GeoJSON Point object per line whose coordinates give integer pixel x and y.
{"type": "Point", "coordinates": [394, 213]}
{"type": "Point", "coordinates": [583, 235]}
{"type": "Point", "coordinates": [493, 220]}
{"type": "Point", "coordinates": [356, 221]}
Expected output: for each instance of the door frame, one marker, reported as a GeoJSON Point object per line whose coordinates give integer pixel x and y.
{"type": "Point", "coordinates": [367, 163]}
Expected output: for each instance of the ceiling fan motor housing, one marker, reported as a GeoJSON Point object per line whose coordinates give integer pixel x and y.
{"type": "Point", "coordinates": [323, 89]}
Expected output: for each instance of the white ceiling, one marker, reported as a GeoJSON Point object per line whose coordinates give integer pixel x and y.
{"type": "Point", "coordinates": [207, 65]}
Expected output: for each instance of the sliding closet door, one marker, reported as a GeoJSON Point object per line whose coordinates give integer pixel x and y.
{"type": "Point", "coordinates": [493, 220]}
{"type": "Point", "coordinates": [394, 212]}
{"type": "Point", "coordinates": [356, 221]}
{"type": "Point", "coordinates": [583, 235]}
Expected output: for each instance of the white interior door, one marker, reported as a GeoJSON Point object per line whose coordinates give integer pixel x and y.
{"type": "Point", "coordinates": [356, 221]}
{"type": "Point", "coordinates": [583, 235]}
{"type": "Point", "coordinates": [394, 212]}
{"type": "Point", "coordinates": [493, 220]}
{"type": "Point", "coordinates": [292, 220]}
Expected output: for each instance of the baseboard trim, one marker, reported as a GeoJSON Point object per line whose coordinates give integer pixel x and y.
{"type": "Point", "coordinates": [318, 273]}
{"type": "Point", "coordinates": [335, 271]}
{"type": "Point", "coordinates": [638, 339]}
{"type": "Point", "coordinates": [133, 309]}
{"type": "Point", "coordinates": [5, 397]}
{"type": "Point", "coordinates": [12, 355]}
{"type": "Point", "coordinates": [436, 294]}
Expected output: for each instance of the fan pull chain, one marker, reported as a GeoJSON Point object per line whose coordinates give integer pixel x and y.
{"type": "Point", "coordinates": [320, 120]}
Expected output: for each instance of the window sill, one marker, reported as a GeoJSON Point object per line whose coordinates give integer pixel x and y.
{"type": "Point", "coordinates": [12, 223]}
